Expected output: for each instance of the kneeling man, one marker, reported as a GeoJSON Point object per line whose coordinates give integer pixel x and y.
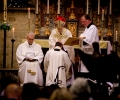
{"type": "Point", "coordinates": [57, 65]}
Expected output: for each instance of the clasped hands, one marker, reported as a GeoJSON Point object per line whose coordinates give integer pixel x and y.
{"type": "Point", "coordinates": [30, 59]}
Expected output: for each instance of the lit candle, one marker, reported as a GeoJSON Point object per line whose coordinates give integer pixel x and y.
{"type": "Point", "coordinates": [28, 13]}
{"type": "Point", "coordinates": [58, 7]}
{"type": "Point", "coordinates": [116, 35]}
{"type": "Point", "coordinates": [110, 7]}
{"type": "Point", "coordinates": [87, 7]}
{"type": "Point", "coordinates": [103, 14]}
{"type": "Point", "coordinates": [47, 6]}
{"type": "Point", "coordinates": [5, 10]}
{"type": "Point", "coordinates": [13, 33]}
{"type": "Point", "coordinates": [98, 7]}
{"type": "Point", "coordinates": [36, 10]}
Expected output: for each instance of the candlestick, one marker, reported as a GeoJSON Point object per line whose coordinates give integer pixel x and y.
{"type": "Point", "coordinates": [5, 10]}
{"type": "Point", "coordinates": [13, 33]}
{"type": "Point", "coordinates": [58, 6]}
{"type": "Point", "coordinates": [98, 7]}
{"type": "Point", "coordinates": [116, 35]}
{"type": "Point", "coordinates": [12, 40]}
{"type": "Point", "coordinates": [47, 6]}
{"type": "Point", "coordinates": [28, 13]}
{"type": "Point", "coordinates": [110, 12]}
{"type": "Point", "coordinates": [36, 10]}
{"type": "Point", "coordinates": [87, 7]}
{"type": "Point", "coordinates": [102, 14]}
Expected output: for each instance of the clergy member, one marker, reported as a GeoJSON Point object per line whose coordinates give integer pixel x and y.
{"type": "Point", "coordinates": [91, 35]}
{"type": "Point", "coordinates": [61, 34]}
{"type": "Point", "coordinates": [29, 56]}
{"type": "Point", "coordinates": [57, 65]}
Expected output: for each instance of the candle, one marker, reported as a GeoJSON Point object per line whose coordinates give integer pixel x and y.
{"type": "Point", "coordinates": [87, 7]}
{"type": "Point", "coordinates": [47, 6]}
{"type": "Point", "coordinates": [5, 10]}
{"type": "Point", "coordinates": [36, 10]}
{"type": "Point", "coordinates": [28, 13]}
{"type": "Point", "coordinates": [13, 33]}
{"type": "Point", "coordinates": [103, 14]}
{"type": "Point", "coordinates": [98, 7]}
{"type": "Point", "coordinates": [116, 35]}
{"type": "Point", "coordinates": [58, 6]}
{"type": "Point", "coordinates": [110, 12]}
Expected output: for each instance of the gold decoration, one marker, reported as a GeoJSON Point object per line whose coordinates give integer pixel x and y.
{"type": "Point", "coordinates": [60, 36]}
{"type": "Point", "coordinates": [5, 11]}
{"type": "Point", "coordinates": [47, 31]}
{"type": "Point", "coordinates": [109, 27]}
{"type": "Point", "coordinates": [103, 44]}
{"type": "Point", "coordinates": [33, 73]}
{"type": "Point", "coordinates": [98, 25]}
{"type": "Point", "coordinates": [36, 25]}
{"type": "Point", "coordinates": [72, 15]}
{"type": "Point", "coordinates": [72, 26]}
{"type": "Point", "coordinates": [29, 71]}
{"type": "Point", "coordinates": [102, 30]}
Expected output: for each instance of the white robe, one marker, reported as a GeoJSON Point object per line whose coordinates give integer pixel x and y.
{"type": "Point", "coordinates": [53, 59]}
{"type": "Point", "coordinates": [55, 36]}
{"type": "Point", "coordinates": [91, 35]}
{"type": "Point", "coordinates": [35, 52]}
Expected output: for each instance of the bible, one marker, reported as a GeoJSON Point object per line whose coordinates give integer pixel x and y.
{"type": "Point", "coordinates": [74, 40]}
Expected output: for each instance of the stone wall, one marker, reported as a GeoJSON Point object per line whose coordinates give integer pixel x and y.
{"type": "Point", "coordinates": [19, 21]}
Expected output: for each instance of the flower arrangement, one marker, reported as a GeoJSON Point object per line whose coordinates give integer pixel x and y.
{"type": "Point", "coordinates": [5, 26]}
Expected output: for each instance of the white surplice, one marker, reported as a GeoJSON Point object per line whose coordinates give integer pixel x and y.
{"type": "Point", "coordinates": [55, 36]}
{"type": "Point", "coordinates": [52, 61]}
{"type": "Point", "coordinates": [33, 51]}
{"type": "Point", "coordinates": [91, 34]}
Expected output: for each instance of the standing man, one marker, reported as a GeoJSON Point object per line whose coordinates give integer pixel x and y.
{"type": "Point", "coordinates": [91, 35]}
{"type": "Point", "coordinates": [29, 56]}
{"type": "Point", "coordinates": [57, 65]}
{"type": "Point", "coordinates": [61, 34]}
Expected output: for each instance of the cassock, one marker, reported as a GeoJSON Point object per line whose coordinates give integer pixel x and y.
{"type": "Point", "coordinates": [30, 71]}
{"type": "Point", "coordinates": [56, 61]}
{"type": "Point", "coordinates": [91, 34]}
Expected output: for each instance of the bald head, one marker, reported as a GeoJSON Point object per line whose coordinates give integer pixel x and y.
{"type": "Point", "coordinates": [30, 38]}
{"type": "Point", "coordinates": [12, 91]}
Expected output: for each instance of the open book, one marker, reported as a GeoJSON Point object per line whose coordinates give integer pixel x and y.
{"type": "Point", "coordinates": [72, 41]}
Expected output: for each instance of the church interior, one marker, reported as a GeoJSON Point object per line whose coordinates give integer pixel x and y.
{"type": "Point", "coordinates": [23, 16]}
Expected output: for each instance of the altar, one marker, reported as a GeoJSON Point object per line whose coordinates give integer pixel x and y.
{"type": "Point", "coordinates": [105, 46]}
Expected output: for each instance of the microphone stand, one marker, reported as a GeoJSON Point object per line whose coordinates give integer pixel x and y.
{"type": "Point", "coordinates": [12, 40]}
{"type": "Point", "coordinates": [56, 78]}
